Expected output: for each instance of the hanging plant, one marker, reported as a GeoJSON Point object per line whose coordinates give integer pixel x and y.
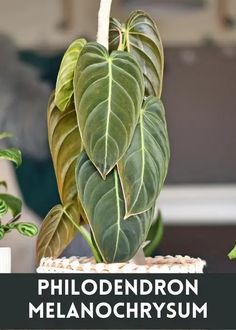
{"type": "Point", "coordinates": [109, 142]}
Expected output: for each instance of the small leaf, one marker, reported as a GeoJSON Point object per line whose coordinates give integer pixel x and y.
{"type": "Point", "coordinates": [144, 166]}
{"type": "Point", "coordinates": [108, 95]}
{"type": "Point", "coordinates": [3, 184]}
{"type": "Point", "coordinates": [2, 233]}
{"type": "Point", "coordinates": [117, 239]}
{"type": "Point", "coordinates": [141, 38]}
{"type": "Point", "coordinates": [232, 254]}
{"type": "Point", "coordinates": [64, 86]}
{"type": "Point", "coordinates": [5, 135]}
{"type": "Point", "coordinates": [11, 154]}
{"type": "Point", "coordinates": [27, 229]}
{"type": "Point", "coordinates": [154, 236]}
{"type": "Point", "coordinates": [13, 203]}
{"type": "Point", "coordinates": [3, 208]}
{"type": "Point", "coordinates": [57, 231]}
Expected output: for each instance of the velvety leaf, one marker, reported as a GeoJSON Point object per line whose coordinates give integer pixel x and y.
{"type": "Point", "coordinates": [11, 154]}
{"type": "Point", "coordinates": [64, 87]}
{"type": "Point", "coordinates": [57, 231]}
{"type": "Point", "coordinates": [65, 145]}
{"type": "Point", "coordinates": [13, 203]}
{"type": "Point", "coordinates": [232, 254]}
{"type": "Point", "coordinates": [117, 239]}
{"type": "Point", "coordinates": [3, 208]}
{"type": "Point", "coordinates": [141, 38]}
{"type": "Point", "coordinates": [5, 135]}
{"type": "Point", "coordinates": [108, 95]}
{"type": "Point", "coordinates": [144, 166]}
{"type": "Point", "coordinates": [154, 236]}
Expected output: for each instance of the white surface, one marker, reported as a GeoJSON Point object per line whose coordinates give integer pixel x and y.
{"type": "Point", "coordinates": [5, 260]}
{"type": "Point", "coordinates": [198, 204]}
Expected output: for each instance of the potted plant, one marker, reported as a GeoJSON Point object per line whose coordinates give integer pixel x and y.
{"type": "Point", "coordinates": [109, 143]}
{"type": "Point", "coordinates": [10, 208]}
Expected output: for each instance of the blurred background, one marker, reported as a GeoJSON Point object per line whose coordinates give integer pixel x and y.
{"type": "Point", "coordinates": [198, 202]}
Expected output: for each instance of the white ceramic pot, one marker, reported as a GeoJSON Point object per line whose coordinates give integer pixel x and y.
{"type": "Point", "coordinates": [5, 260]}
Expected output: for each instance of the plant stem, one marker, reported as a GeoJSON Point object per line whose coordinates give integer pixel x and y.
{"type": "Point", "coordinates": [87, 237]}
{"type": "Point", "coordinates": [103, 22]}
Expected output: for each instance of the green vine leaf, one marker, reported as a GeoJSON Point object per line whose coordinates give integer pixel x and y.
{"type": "Point", "coordinates": [232, 254]}
{"type": "Point", "coordinates": [108, 94]}
{"type": "Point", "coordinates": [11, 154]}
{"type": "Point", "coordinates": [117, 239]}
{"type": "Point", "coordinates": [3, 208]}
{"type": "Point", "coordinates": [5, 135]}
{"type": "Point", "coordinates": [2, 233]}
{"type": "Point", "coordinates": [64, 87]}
{"type": "Point", "coordinates": [141, 38]}
{"type": "Point", "coordinates": [12, 202]}
{"type": "Point", "coordinates": [144, 166]}
{"type": "Point", "coordinates": [57, 231]}
{"type": "Point", "coordinates": [154, 236]}
{"type": "Point", "coordinates": [27, 229]}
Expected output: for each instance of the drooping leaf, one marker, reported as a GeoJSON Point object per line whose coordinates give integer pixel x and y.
{"type": "Point", "coordinates": [57, 231]}
{"type": "Point", "coordinates": [108, 93]}
{"type": "Point", "coordinates": [3, 208]}
{"type": "Point", "coordinates": [64, 86]}
{"type": "Point", "coordinates": [65, 145]}
{"type": "Point", "coordinates": [5, 135]}
{"type": "Point", "coordinates": [11, 154]}
{"type": "Point", "coordinates": [2, 233]}
{"type": "Point", "coordinates": [117, 239]}
{"type": "Point", "coordinates": [144, 166]}
{"type": "Point", "coordinates": [13, 203]}
{"type": "Point", "coordinates": [154, 236]}
{"type": "Point", "coordinates": [232, 254]}
{"type": "Point", "coordinates": [141, 38]}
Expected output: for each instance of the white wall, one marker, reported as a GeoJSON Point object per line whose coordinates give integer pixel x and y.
{"type": "Point", "coordinates": [34, 23]}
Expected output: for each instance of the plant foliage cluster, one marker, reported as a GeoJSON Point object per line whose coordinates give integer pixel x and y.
{"type": "Point", "coordinates": [109, 142]}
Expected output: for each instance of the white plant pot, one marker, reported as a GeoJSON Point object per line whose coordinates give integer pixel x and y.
{"type": "Point", "coordinates": [157, 265]}
{"type": "Point", "coordinates": [5, 260]}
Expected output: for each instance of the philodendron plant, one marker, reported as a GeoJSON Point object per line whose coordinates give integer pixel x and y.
{"type": "Point", "coordinates": [10, 206]}
{"type": "Point", "coordinates": [109, 143]}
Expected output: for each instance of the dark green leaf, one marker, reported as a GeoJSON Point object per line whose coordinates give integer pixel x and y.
{"type": "Point", "coordinates": [2, 233]}
{"type": "Point", "coordinates": [141, 38]}
{"type": "Point", "coordinates": [13, 203]}
{"type": "Point", "coordinates": [144, 166]}
{"type": "Point", "coordinates": [64, 86]}
{"type": "Point", "coordinates": [11, 154]}
{"type": "Point", "coordinates": [154, 236]}
{"type": "Point", "coordinates": [117, 239]}
{"type": "Point", "coordinates": [57, 231]}
{"type": "Point", "coordinates": [108, 94]}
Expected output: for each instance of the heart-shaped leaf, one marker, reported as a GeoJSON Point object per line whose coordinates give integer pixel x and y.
{"type": "Point", "coordinates": [64, 86]}
{"type": "Point", "coordinates": [65, 146]}
{"type": "Point", "coordinates": [11, 154]}
{"type": "Point", "coordinates": [108, 93]}
{"type": "Point", "coordinates": [141, 38]}
{"type": "Point", "coordinates": [144, 166]}
{"type": "Point", "coordinates": [117, 239]}
{"type": "Point", "coordinates": [13, 203]}
{"type": "Point", "coordinates": [57, 231]}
